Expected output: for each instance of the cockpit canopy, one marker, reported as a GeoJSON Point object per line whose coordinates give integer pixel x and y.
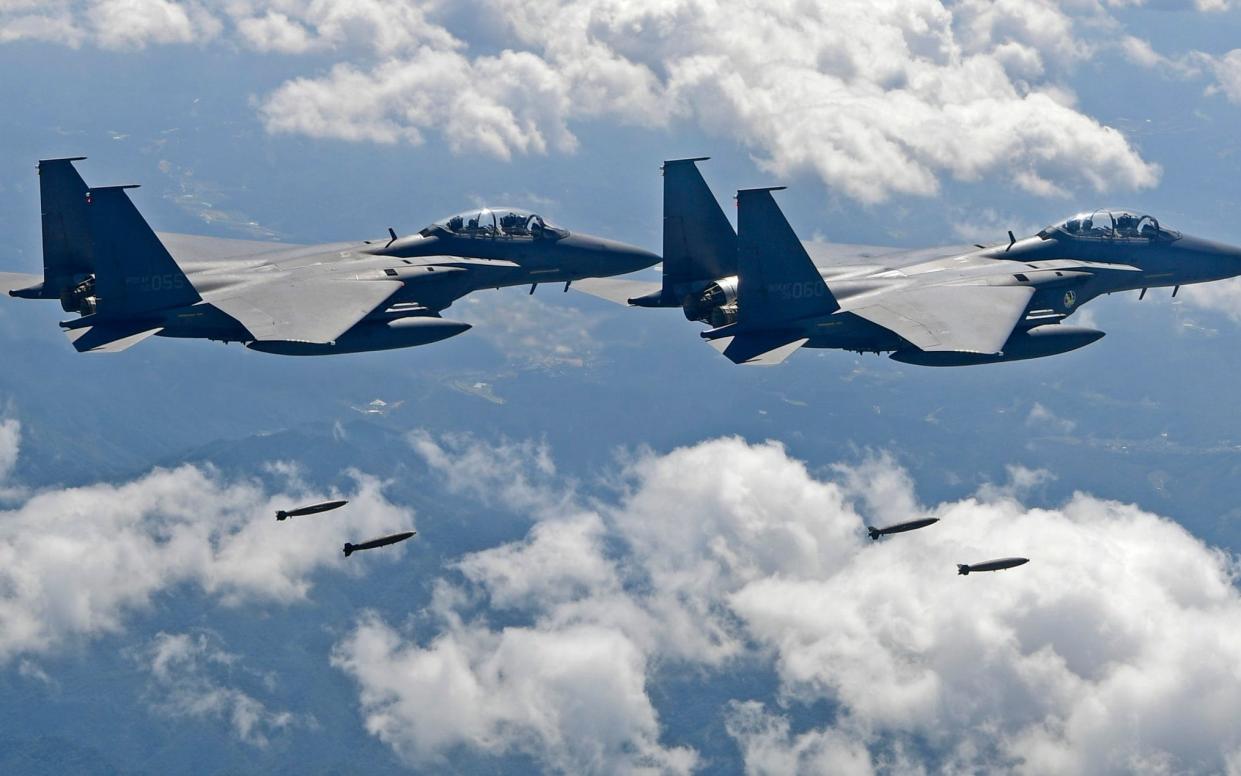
{"type": "Point", "coordinates": [1110, 224]}
{"type": "Point", "coordinates": [502, 223]}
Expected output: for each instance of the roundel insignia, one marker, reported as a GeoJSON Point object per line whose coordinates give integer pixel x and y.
{"type": "Point", "coordinates": [1070, 298]}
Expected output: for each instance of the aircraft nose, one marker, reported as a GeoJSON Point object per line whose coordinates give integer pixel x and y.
{"type": "Point", "coordinates": [609, 257]}
{"type": "Point", "coordinates": [630, 258]}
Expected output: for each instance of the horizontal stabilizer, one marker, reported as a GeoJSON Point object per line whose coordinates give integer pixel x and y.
{"type": "Point", "coordinates": [618, 290]}
{"type": "Point", "coordinates": [110, 338]}
{"type": "Point", "coordinates": [759, 348]}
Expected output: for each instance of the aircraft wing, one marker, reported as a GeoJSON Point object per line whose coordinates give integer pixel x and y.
{"type": "Point", "coordinates": [195, 247]}
{"type": "Point", "coordinates": [316, 310]}
{"type": "Point", "coordinates": [825, 254]}
{"type": "Point", "coordinates": [970, 319]}
{"type": "Point", "coordinates": [618, 290]}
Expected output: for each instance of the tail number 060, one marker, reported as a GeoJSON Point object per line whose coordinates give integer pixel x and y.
{"type": "Point", "coordinates": [805, 290]}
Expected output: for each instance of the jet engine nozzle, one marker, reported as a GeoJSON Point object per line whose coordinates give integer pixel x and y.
{"type": "Point", "coordinates": [719, 296]}
{"type": "Point", "coordinates": [80, 298]}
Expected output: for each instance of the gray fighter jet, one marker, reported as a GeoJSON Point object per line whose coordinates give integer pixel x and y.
{"type": "Point", "coordinates": [127, 283]}
{"type": "Point", "coordinates": [764, 293]}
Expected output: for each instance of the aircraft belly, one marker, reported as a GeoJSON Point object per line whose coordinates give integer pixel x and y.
{"type": "Point", "coordinates": [204, 321]}
{"type": "Point", "coordinates": [847, 331]}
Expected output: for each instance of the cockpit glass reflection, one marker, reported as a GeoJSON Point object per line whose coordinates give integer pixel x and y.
{"type": "Point", "coordinates": [1110, 224]}
{"type": "Point", "coordinates": [495, 223]}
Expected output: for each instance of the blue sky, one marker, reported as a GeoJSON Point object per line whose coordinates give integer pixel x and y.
{"type": "Point", "coordinates": [632, 556]}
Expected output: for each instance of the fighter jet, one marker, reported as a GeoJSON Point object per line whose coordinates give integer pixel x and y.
{"type": "Point", "coordinates": [763, 293]}
{"type": "Point", "coordinates": [126, 282]}
{"type": "Point", "coordinates": [991, 565]}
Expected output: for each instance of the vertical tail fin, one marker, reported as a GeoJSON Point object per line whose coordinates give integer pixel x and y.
{"type": "Point", "coordinates": [348, 549]}
{"type": "Point", "coordinates": [67, 256]}
{"type": "Point", "coordinates": [699, 243]}
{"type": "Point", "coordinates": [962, 569]}
{"type": "Point", "coordinates": [776, 280]}
{"type": "Point", "coordinates": [134, 271]}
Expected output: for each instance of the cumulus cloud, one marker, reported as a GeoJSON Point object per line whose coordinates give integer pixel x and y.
{"type": "Point", "coordinates": [10, 446]}
{"type": "Point", "coordinates": [1044, 420]}
{"type": "Point", "coordinates": [76, 563]}
{"type": "Point", "coordinates": [124, 24]}
{"type": "Point", "coordinates": [726, 556]}
{"type": "Point", "coordinates": [531, 333]}
{"type": "Point", "coordinates": [515, 474]}
{"type": "Point", "coordinates": [1223, 296]}
{"type": "Point", "coordinates": [293, 27]}
{"type": "Point", "coordinates": [184, 683]}
{"type": "Point", "coordinates": [51, 22]}
{"type": "Point", "coordinates": [573, 698]}
{"type": "Point", "coordinates": [876, 99]}
{"type": "Point", "coordinates": [1227, 72]}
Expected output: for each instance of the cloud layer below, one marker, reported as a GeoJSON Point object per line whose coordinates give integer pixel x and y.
{"type": "Point", "coordinates": [79, 562]}
{"type": "Point", "coordinates": [1114, 651]}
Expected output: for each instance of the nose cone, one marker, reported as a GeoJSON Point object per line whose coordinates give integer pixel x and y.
{"type": "Point", "coordinates": [1200, 246]}
{"type": "Point", "coordinates": [1197, 260]}
{"type": "Point", "coordinates": [599, 257]}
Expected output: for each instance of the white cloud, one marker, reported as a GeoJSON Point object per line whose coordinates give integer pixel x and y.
{"type": "Point", "coordinates": [76, 563]}
{"type": "Point", "coordinates": [183, 668]}
{"type": "Point", "coordinates": [530, 332]}
{"type": "Point", "coordinates": [50, 22]}
{"type": "Point", "coordinates": [10, 446]}
{"type": "Point", "coordinates": [769, 748]}
{"type": "Point", "coordinates": [725, 556]}
{"type": "Point", "coordinates": [124, 24]}
{"type": "Point", "coordinates": [1227, 72]}
{"type": "Point", "coordinates": [573, 698]}
{"type": "Point", "coordinates": [1223, 296]}
{"type": "Point", "coordinates": [293, 27]}
{"type": "Point", "coordinates": [513, 474]}
{"type": "Point", "coordinates": [1043, 420]}
{"type": "Point", "coordinates": [498, 105]}
{"type": "Point", "coordinates": [876, 99]}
